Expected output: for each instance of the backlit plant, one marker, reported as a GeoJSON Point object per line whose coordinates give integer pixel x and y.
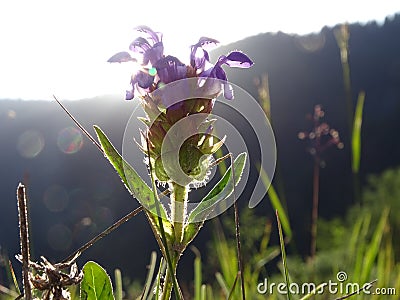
{"type": "Point", "coordinates": [178, 141]}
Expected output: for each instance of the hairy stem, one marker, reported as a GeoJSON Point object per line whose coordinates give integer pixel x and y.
{"type": "Point", "coordinates": [168, 285]}
{"type": "Point", "coordinates": [179, 198]}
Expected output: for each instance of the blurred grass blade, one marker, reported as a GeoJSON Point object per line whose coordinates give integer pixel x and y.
{"type": "Point", "coordinates": [268, 256]}
{"type": "Point", "coordinates": [361, 246]}
{"type": "Point", "coordinates": [232, 291]}
{"type": "Point", "coordinates": [210, 294]}
{"type": "Point", "coordinates": [356, 136]}
{"type": "Point", "coordinates": [342, 35]}
{"type": "Point", "coordinates": [198, 287]}
{"type": "Point", "coordinates": [222, 190]}
{"type": "Point", "coordinates": [150, 275]}
{"type": "Point", "coordinates": [314, 291]}
{"type": "Point", "coordinates": [224, 252]}
{"type": "Point", "coordinates": [118, 284]}
{"type": "Point", "coordinates": [276, 203]}
{"type": "Point", "coordinates": [8, 292]}
{"type": "Point", "coordinates": [285, 269]}
{"type": "Point", "coordinates": [355, 236]}
{"type": "Point", "coordinates": [374, 247]}
{"type": "Point", "coordinates": [222, 284]}
{"type": "Point", "coordinates": [14, 278]}
{"type": "Point", "coordinates": [203, 292]}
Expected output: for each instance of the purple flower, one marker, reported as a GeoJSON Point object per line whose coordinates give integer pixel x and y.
{"type": "Point", "coordinates": [140, 81]}
{"type": "Point", "coordinates": [156, 69]}
{"type": "Point", "coordinates": [235, 59]}
{"type": "Point", "coordinates": [170, 69]}
{"type": "Point", "coordinates": [199, 56]}
{"type": "Point", "coordinates": [150, 47]}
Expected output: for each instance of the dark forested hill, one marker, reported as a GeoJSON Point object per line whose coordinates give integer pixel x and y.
{"type": "Point", "coordinates": [75, 194]}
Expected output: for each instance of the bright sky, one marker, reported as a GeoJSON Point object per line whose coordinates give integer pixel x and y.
{"type": "Point", "coordinates": [61, 47]}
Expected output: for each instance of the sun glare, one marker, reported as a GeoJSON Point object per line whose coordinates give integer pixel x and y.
{"type": "Point", "coordinates": [63, 49]}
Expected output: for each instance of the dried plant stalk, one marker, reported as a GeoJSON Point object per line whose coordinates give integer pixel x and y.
{"type": "Point", "coordinates": [24, 238]}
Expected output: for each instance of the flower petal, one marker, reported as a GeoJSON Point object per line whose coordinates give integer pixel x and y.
{"type": "Point", "coordinates": [228, 91]}
{"type": "Point", "coordinates": [121, 57]}
{"type": "Point", "coordinates": [129, 95]}
{"type": "Point", "coordinates": [170, 69]}
{"type": "Point", "coordinates": [204, 41]}
{"type": "Point", "coordinates": [143, 80]}
{"type": "Point", "coordinates": [155, 36]}
{"type": "Point", "coordinates": [154, 54]}
{"type": "Point", "coordinates": [199, 56]}
{"type": "Point", "coordinates": [219, 73]}
{"type": "Point", "coordinates": [238, 59]}
{"type": "Point", "coordinates": [140, 45]}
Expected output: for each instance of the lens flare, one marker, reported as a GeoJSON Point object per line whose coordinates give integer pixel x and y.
{"type": "Point", "coordinates": [11, 114]}
{"type": "Point", "coordinates": [55, 198]}
{"type": "Point", "coordinates": [70, 140]}
{"type": "Point", "coordinates": [30, 143]}
{"type": "Point", "coordinates": [59, 237]}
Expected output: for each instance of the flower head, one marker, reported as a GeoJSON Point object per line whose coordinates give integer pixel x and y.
{"type": "Point", "coordinates": [171, 91]}
{"type": "Point", "coordinates": [157, 69]}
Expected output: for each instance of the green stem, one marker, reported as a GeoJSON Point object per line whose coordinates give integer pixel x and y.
{"type": "Point", "coordinates": [168, 285]}
{"type": "Point", "coordinates": [314, 220]}
{"type": "Point", "coordinates": [179, 199]}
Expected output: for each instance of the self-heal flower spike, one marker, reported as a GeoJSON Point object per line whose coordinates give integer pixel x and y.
{"type": "Point", "coordinates": [171, 91]}
{"type": "Point", "coordinates": [178, 141]}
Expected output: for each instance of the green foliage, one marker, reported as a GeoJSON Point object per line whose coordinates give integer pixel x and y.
{"type": "Point", "coordinates": [96, 284]}
{"type": "Point", "coordinates": [256, 252]}
{"type": "Point", "coordinates": [133, 182]}
{"type": "Point", "coordinates": [277, 204]}
{"type": "Point", "coordinates": [222, 190]}
{"type": "Point", "coordinates": [356, 135]}
{"type": "Point", "coordinates": [284, 261]}
{"type": "Point", "coordinates": [382, 190]}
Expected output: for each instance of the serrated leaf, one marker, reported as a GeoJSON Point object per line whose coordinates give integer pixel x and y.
{"type": "Point", "coordinates": [133, 182]}
{"type": "Point", "coordinates": [96, 284]}
{"type": "Point", "coordinates": [222, 190]}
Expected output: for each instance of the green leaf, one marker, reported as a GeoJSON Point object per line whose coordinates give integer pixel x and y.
{"type": "Point", "coordinates": [96, 284]}
{"type": "Point", "coordinates": [373, 248]}
{"type": "Point", "coordinates": [356, 137]}
{"type": "Point", "coordinates": [133, 182]}
{"type": "Point", "coordinates": [276, 203]}
{"type": "Point", "coordinates": [284, 261]}
{"type": "Point", "coordinates": [222, 190]}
